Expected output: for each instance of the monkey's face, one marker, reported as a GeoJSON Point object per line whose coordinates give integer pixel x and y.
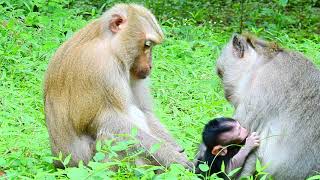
{"type": "Point", "coordinates": [233, 65]}
{"type": "Point", "coordinates": [236, 135]}
{"type": "Point", "coordinates": [142, 65]}
{"type": "Point", "coordinates": [133, 39]}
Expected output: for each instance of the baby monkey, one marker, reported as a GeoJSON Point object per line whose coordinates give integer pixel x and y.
{"type": "Point", "coordinates": [225, 140]}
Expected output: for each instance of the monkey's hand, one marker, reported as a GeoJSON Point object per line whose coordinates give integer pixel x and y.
{"type": "Point", "coordinates": [178, 148]}
{"type": "Point", "coordinates": [172, 156]}
{"type": "Point", "coordinates": [252, 142]}
{"type": "Point", "coordinates": [167, 137]}
{"type": "Point", "coordinates": [160, 131]}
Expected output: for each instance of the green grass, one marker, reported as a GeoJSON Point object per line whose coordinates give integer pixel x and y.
{"type": "Point", "coordinates": [187, 92]}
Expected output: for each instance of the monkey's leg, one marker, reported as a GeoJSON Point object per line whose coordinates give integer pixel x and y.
{"type": "Point", "coordinates": [64, 138]}
{"type": "Point", "coordinates": [80, 148]}
{"type": "Point", "coordinates": [116, 123]}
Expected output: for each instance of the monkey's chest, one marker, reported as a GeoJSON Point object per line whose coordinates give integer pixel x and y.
{"type": "Point", "coordinates": [137, 117]}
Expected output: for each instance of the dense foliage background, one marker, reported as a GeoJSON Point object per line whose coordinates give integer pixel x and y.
{"type": "Point", "coordinates": [186, 89]}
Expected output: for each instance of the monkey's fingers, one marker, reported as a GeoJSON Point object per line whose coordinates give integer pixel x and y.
{"type": "Point", "coordinates": [256, 137]}
{"type": "Point", "coordinates": [253, 135]}
{"type": "Point", "coordinates": [190, 166]}
{"type": "Point", "coordinates": [185, 162]}
{"type": "Point", "coordinates": [178, 148]}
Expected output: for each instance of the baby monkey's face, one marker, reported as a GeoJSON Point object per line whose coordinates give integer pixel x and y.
{"type": "Point", "coordinates": [236, 135]}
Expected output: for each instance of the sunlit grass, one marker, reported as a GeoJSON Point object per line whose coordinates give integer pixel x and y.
{"type": "Point", "coordinates": [187, 92]}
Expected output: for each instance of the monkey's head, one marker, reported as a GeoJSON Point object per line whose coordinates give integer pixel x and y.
{"type": "Point", "coordinates": [216, 136]}
{"type": "Point", "coordinates": [241, 57]}
{"type": "Point", "coordinates": [133, 31]}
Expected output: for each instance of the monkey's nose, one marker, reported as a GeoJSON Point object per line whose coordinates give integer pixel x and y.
{"type": "Point", "coordinates": [143, 74]}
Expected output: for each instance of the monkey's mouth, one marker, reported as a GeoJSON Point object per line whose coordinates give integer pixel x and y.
{"type": "Point", "coordinates": [227, 95]}
{"type": "Point", "coordinates": [243, 142]}
{"type": "Point", "coordinates": [142, 74]}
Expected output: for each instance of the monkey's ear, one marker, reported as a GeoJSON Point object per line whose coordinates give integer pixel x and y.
{"type": "Point", "coordinates": [116, 23]}
{"type": "Point", "coordinates": [239, 46]}
{"type": "Point", "coordinates": [219, 150]}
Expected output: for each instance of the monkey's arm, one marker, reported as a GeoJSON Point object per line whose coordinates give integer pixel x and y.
{"type": "Point", "coordinates": [112, 123]}
{"type": "Point", "coordinates": [143, 100]}
{"type": "Point", "coordinates": [200, 157]}
{"type": "Point", "coordinates": [238, 160]}
{"type": "Point", "coordinates": [248, 168]}
{"type": "Point", "coordinates": [158, 129]}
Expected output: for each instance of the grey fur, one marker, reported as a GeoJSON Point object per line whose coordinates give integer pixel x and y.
{"type": "Point", "coordinates": [276, 93]}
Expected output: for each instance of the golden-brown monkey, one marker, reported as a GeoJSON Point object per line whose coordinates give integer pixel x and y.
{"type": "Point", "coordinates": [95, 87]}
{"type": "Point", "coordinates": [276, 93]}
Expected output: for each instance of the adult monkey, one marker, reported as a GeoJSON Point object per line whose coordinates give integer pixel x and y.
{"type": "Point", "coordinates": [95, 87]}
{"type": "Point", "coordinates": [277, 94]}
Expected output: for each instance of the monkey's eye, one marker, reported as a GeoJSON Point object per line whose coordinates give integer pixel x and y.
{"type": "Point", "coordinates": [147, 43]}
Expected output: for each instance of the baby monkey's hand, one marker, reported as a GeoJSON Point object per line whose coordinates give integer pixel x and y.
{"type": "Point", "coordinates": [252, 141]}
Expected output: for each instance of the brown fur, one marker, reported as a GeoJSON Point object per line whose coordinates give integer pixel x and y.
{"type": "Point", "coordinates": [95, 87]}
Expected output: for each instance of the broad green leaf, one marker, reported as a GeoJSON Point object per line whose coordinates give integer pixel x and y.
{"type": "Point", "coordinates": [134, 132]}
{"type": "Point", "coordinates": [98, 146]}
{"type": "Point", "coordinates": [223, 167]}
{"type": "Point", "coordinates": [204, 167]}
{"type": "Point", "coordinates": [60, 156]}
{"type": "Point", "coordinates": [67, 160]}
{"type": "Point", "coordinates": [258, 165]}
{"type": "Point", "coordinates": [47, 159]}
{"type": "Point", "coordinates": [154, 148]}
{"type": "Point", "coordinates": [99, 156]}
{"type": "Point", "coordinates": [316, 177]}
{"type": "Point", "coordinates": [80, 164]}
{"type": "Point", "coordinates": [264, 177]}
{"type": "Point", "coordinates": [234, 171]}
{"type": "Point", "coordinates": [77, 173]}
{"type": "Point", "coordinates": [121, 146]}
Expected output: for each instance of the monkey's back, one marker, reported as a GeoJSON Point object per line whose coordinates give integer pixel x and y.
{"type": "Point", "coordinates": [287, 95]}
{"type": "Point", "coordinates": [73, 94]}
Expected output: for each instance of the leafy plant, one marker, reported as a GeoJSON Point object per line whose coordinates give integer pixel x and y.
{"type": "Point", "coordinates": [186, 90]}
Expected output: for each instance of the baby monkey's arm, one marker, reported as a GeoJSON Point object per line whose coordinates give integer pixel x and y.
{"type": "Point", "coordinates": [238, 160]}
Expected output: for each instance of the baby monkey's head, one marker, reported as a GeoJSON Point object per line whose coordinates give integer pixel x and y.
{"type": "Point", "coordinates": [220, 132]}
